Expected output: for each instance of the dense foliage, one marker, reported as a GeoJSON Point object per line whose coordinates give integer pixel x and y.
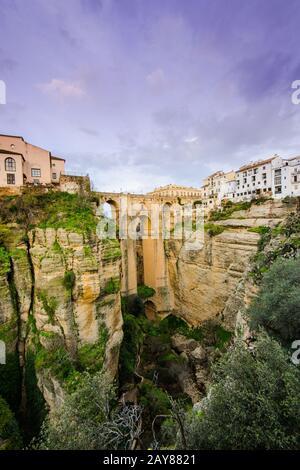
{"type": "Point", "coordinates": [253, 404]}
{"type": "Point", "coordinates": [277, 307]}
{"type": "Point", "coordinates": [88, 419]}
{"type": "Point", "coordinates": [10, 438]}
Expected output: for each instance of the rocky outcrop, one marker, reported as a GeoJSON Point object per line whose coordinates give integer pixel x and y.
{"type": "Point", "coordinates": [60, 302]}
{"type": "Point", "coordinates": [211, 282]}
{"type": "Point", "coordinates": [203, 281]}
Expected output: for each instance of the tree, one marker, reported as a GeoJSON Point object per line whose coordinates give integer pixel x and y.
{"type": "Point", "coordinates": [88, 420]}
{"type": "Point", "coordinates": [277, 304]}
{"type": "Point", "coordinates": [253, 403]}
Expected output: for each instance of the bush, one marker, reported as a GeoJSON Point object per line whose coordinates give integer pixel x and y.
{"type": "Point", "coordinates": [10, 438]}
{"type": "Point", "coordinates": [253, 404]}
{"type": "Point", "coordinates": [112, 286]}
{"type": "Point", "coordinates": [277, 304]}
{"type": "Point", "coordinates": [213, 229]}
{"type": "Point", "coordinates": [145, 292]}
{"type": "Point", "coordinates": [69, 280]}
{"type": "Point", "coordinates": [78, 423]}
{"type": "Point", "coordinates": [91, 356]}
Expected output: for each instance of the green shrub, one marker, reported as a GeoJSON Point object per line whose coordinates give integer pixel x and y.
{"type": "Point", "coordinates": [112, 286]}
{"type": "Point", "coordinates": [253, 402]}
{"type": "Point", "coordinates": [69, 280]}
{"type": "Point", "coordinates": [58, 360]}
{"type": "Point", "coordinates": [91, 356]}
{"type": "Point", "coordinates": [50, 305]}
{"type": "Point", "coordinates": [277, 305]}
{"type": "Point", "coordinates": [154, 399]}
{"type": "Point", "coordinates": [213, 229]}
{"type": "Point", "coordinates": [228, 209]}
{"type": "Point", "coordinates": [145, 291]}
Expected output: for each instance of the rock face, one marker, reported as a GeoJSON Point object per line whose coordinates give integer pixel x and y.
{"type": "Point", "coordinates": [209, 283]}
{"type": "Point", "coordinates": [203, 281]}
{"type": "Point", "coordinates": [60, 302]}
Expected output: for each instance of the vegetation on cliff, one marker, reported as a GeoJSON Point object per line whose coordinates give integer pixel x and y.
{"type": "Point", "coordinates": [10, 437]}
{"type": "Point", "coordinates": [53, 209]}
{"type": "Point", "coordinates": [90, 419]}
{"type": "Point", "coordinates": [253, 403]}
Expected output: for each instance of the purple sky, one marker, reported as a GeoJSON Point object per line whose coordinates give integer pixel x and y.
{"type": "Point", "coordinates": [140, 93]}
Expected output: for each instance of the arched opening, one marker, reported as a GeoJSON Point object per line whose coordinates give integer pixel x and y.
{"type": "Point", "coordinates": [107, 210]}
{"type": "Point", "coordinates": [107, 227]}
{"type": "Point", "coordinates": [150, 310]}
{"type": "Point", "coordinates": [110, 209]}
{"type": "Point", "coordinates": [10, 164]}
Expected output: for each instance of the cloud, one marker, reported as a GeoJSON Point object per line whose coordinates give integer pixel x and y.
{"type": "Point", "coordinates": [156, 79]}
{"type": "Point", "coordinates": [191, 140]}
{"type": "Point", "coordinates": [62, 88]}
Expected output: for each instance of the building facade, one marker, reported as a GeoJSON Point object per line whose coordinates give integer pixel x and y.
{"type": "Point", "coordinates": [22, 163]}
{"type": "Point", "coordinates": [286, 177]}
{"type": "Point", "coordinates": [174, 190]}
{"type": "Point", "coordinates": [254, 180]}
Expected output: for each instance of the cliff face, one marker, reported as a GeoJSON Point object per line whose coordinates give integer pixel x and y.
{"type": "Point", "coordinates": [210, 283]}
{"type": "Point", "coordinates": [60, 313]}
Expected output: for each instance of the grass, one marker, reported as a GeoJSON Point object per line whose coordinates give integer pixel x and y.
{"type": "Point", "coordinates": [91, 356]}
{"type": "Point", "coordinates": [213, 229]}
{"type": "Point", "coordinates": [71, 212]}
{"type": "Point", "coordinates": [228, 209]}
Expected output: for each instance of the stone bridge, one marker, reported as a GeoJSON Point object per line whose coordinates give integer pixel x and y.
{"type": "Point", "coordinates": [143, 259]}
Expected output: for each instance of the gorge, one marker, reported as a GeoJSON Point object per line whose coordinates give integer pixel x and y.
{"type": "Point", "coordinates": [149, 312]}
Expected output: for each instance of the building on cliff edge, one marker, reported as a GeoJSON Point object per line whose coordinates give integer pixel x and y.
{"type": "Point", "coordinates": [23, 164]}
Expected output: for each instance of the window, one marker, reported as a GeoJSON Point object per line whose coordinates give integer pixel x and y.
{"type": "Point", "coordinates": [278, 171]}
{"type": "Point", "coordinates": [10, 164]}
{"type": "Point", "coordinates": [277, 180]}
{"type": "Point", "coordinates": [278, 190]}
{"type": "Point", "coordinates": [35, 172]}
{"type": "Point", "coordinates": [54, 176]}
{"type": "Point", "coordinates": [255, 171]}
{"type": "Point", "coordinates": [11, 178]}
{"type": "Point", "coordinates": [253, 178]}
{"type": "Point", "coordinates": [264, 175]}
{"type": "Point", "coordinates": [53, 164]}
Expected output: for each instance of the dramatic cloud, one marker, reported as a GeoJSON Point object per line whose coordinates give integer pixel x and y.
{"type": "Point", "coordinates": [140, 93]}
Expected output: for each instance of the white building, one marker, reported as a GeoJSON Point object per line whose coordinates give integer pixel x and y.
{"type": "Point", "coordinates": [254, 180]}
{"type": "Point", "coordinates": [227, 188]}
{"type": "Point", "coordinates": [286, 177]}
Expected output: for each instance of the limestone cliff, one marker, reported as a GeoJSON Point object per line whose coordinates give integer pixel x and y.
{"type": "Point", "coordinates": [60, 312]}
{"type": "Point", "coordinates": [210, 283]}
